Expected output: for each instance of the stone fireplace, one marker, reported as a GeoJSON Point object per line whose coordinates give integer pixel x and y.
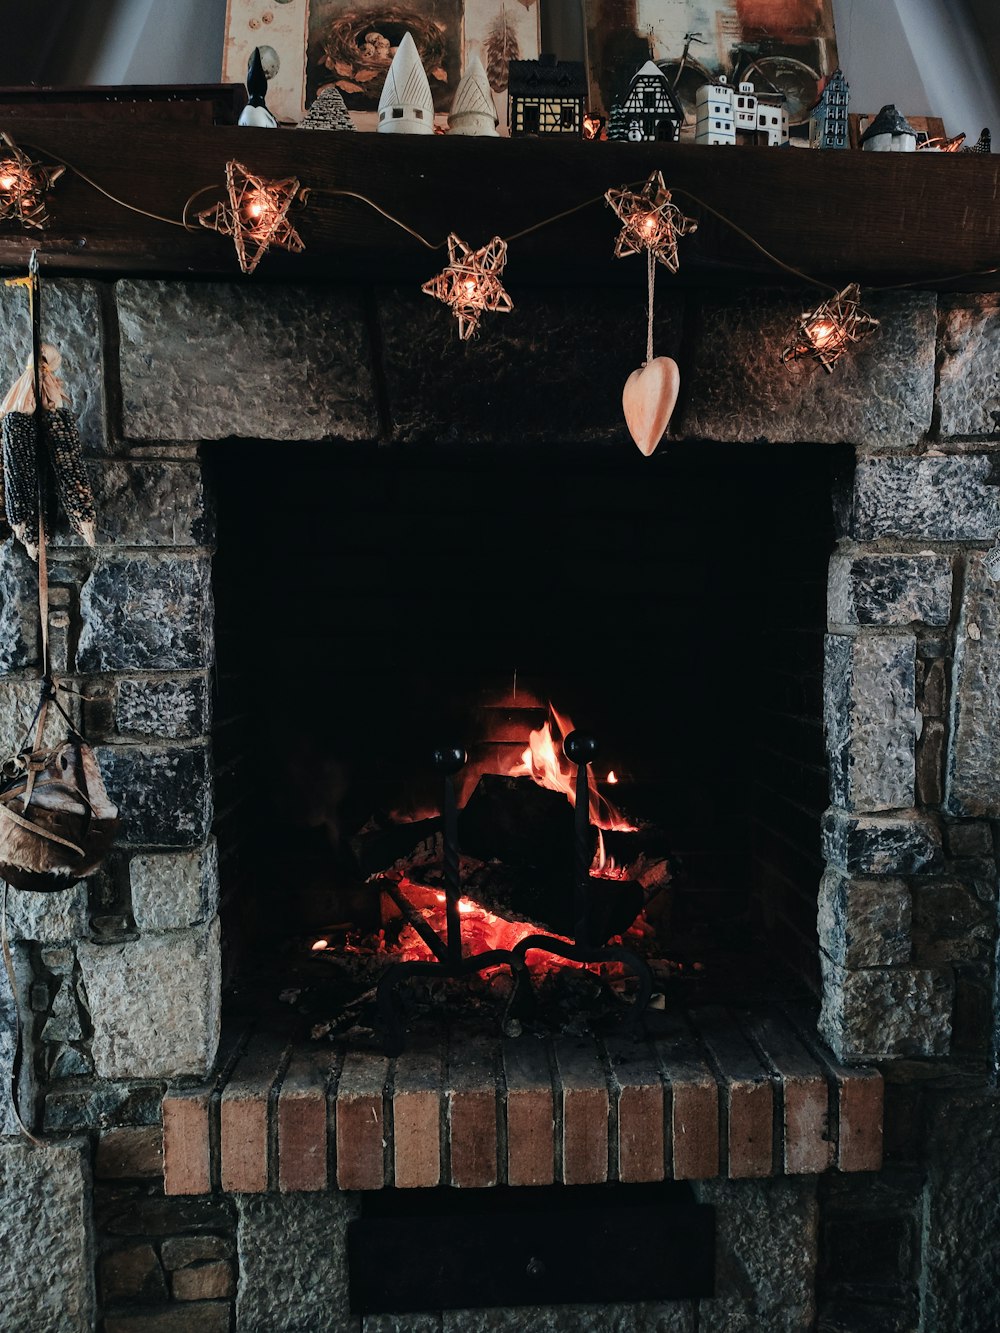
{"type": "Point", "coordinates": [312, 498]}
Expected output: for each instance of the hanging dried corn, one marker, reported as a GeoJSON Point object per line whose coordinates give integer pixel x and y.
{"type": "Point", "coordinates": [18, 435]}
{"type": "Point", "coordinates": [65, 450]}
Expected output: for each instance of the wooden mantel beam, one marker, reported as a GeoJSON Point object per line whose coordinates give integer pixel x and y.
{"type": "Point", "coordinates": [873, 217]}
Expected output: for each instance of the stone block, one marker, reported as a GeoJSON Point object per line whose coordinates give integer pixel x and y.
{"type": "Point", "coordinates": [890, 589]}
{"type": "Point", "coordinates": [207, 361]}
{"type": "Point", "coordinates": [293, 1261]}
{"type": "Point", "coordinates": [944, 498]}
{"type": "Point", "coordinates": [49, 918]}
{"type": "Point", "coordinates": [146, 613]}
{"type": "Point", "coordinates": [155, 1003]}
{"type": "Point", "coordinates": [8, 1042]}
{"type": "Point", "coordinates": [669, 1317]}
{"type": "Point", "coordinates": [881, 394]}
{"type": "Point", "coordinates": [952, 923]}
{"type": "Point", "coordinates": [180, 1251]}
{"type": "Point", "coordinates": [132, 1275]}
{"type": "Point", "coordinates": [130, 1153]}
{"type": "Point", "coordinates": [18, 700]}
{"type": "Point", "coordinates": [881, 1013]}
{"type": "Point", "coordinates": [71, 319]}
{"type": "Point", "coordinates": [138, 1210]}
{"type": "Point", "coordinates": [766, 1249]}
{"type": "Point", "coordinates": [196, 1317]}
{"type": "Point", "coordinates": [204, 1282]}
{"type": "Point", "coordinates": [150, 503]}
{"type": "Point", "coordinates": [169, 709]}
{"type": "Point", "coordinates": [174, 890]}
{"type": "Point", "coordinates": [551, 372]}
{"type": "Point", "coordinates": [933, 693]}
{"type": "Point", "coordinates": [972, 775]}
{"type": "Point", "coordinates": [970, 838]}
{"type": "Point", "coordinates": [930, 763]}
{"type": "Point", "coordinates": [870, 720]}
{"type": "Point", "coordinates": [19, 641]}
{"type": "Point", "coordinates": [864, 922]}
{"type": "Point", "coordinates": [46, 1264]}
{"type": "Point", "coordinates": [903, 843]}
{"type": "Point", "coordinates": [969, 366]}
{"type": "Point", "coordinates": [164, 794]}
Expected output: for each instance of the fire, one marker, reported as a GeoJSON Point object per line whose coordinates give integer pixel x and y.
{"type": "Point", "coordinates": [545, 761]}
{"type": "Point", "coordinates": [320, 945]}
{"type": "Point", "coordinates": [611, 777]}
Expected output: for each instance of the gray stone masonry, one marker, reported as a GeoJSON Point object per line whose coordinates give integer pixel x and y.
{"type": "Point", "coordinates": [206, 361]}
{"type": "Point", "coordinates": [147, 613]}
{"type": "Point", "coordinates": [170, 709]}
{"type": "Point", "coordinates": [969, 374]}
{"type": "Point", "coordinates": [19, 642]}
{"type": "Point", "coordinates": [49, 918]}
{"type": "Point", "coordinates": [155, 1003]}
{"type": "Point", "coordinates": [880, 396]}
{"type": "Point", "coordinates": [937, 497]}
{"type": "Point", "coordinates": [155, 503]}
{"type": "Point", "coordinates": [174, 890]}
{"type": "Point", "coordinates": [46, 1261]}
{"type": "Point", "coordinates": [903, 843]}
{"type": "Point", "coordinates": [870, 720]}
{"type": "Point", "coordinates": [881, 1013]}
{"type": "Point", "coordinates": [864, 922]}
{"type": "Point", "coordinates": [973, 770]}
{"type": "Point", "coordinates": [164, 793]}
{"type": "Point", "coordinates": [954, 921]}
{"type": "Point", "coordinates": [890, 589]}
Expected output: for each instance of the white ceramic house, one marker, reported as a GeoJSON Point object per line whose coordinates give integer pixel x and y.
{"type": "Point", "coordinates": [772, 120]}
{"type": "Point", "coordinates": [473, 110]}
{"type": "Point", "coordinates": [715, 105]}
{"type": "Point", "coordinates": [745, 105]}
{"type": "Point", "coordinates": [889, 132]}
{"type": "Point", "coordinates": [406, 105]}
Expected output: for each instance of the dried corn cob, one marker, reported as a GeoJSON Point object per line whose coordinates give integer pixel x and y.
{"type": "Point", "coordinates": [20, 466]}
{"type": "Point", "coordinates": [62, 439]}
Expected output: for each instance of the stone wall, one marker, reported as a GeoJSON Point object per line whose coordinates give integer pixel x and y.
{"type": "Point", "coordinates": [120, 977]}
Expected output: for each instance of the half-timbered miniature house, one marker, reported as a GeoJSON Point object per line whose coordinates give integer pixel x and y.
{"type": "Point", "coordinates": [547, 96]}
{"type": "Point", "coordinates": [828, 120]}
{"type": "Point", "coordinates": [650, 110]}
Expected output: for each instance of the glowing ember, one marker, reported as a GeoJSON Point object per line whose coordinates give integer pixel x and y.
{"type": "Point", "coordinates": [611, 777]}
{"type": "Point", "coordinates": [320, 944]}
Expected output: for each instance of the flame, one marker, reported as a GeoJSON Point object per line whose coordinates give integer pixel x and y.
{"type": "Point", "coordinates": [545, 761]}
{"type": "Point", "coordinates": [611, 777]}
{"type": "Point", "coordinates": [320, 944]}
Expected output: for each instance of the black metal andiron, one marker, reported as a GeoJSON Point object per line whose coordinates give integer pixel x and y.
{"type": "Point", "coordinates": [449, 959]}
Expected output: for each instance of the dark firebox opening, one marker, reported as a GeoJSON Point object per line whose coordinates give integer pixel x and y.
{"type": "Point", "coordinates": [367, 600]}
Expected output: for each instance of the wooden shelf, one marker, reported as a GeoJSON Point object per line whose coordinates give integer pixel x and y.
{"type": "Point", "coordinates": [877, 218]}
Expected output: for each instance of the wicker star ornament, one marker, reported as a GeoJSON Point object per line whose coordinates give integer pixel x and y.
{"type": "Point", "coordinates": [471, 283]}
{"type": "Point", "coordinates": [255, 215]}
{"type": "Point", "coordinates": [826, 332]}
{"type": "Point", "coordinates": [23, 186]}
{"type": "Point", "coordinates": [650, 222]}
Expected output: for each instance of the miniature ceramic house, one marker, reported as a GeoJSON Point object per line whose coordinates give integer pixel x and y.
{"type": "Point", "coordinates": [745, 108]}
{"type": "Point", "coordinates": [889, 132]}
{"type": "Point", "coordinates": [406, 105]}
{"type": "Point", "coordinates": [546, 96]}
{"type": "Point", "coordinates": [650, 110]}
{"type": "Point", "coordinates": [828, 119]}
{"type": "Point", "coordinates": [716, 113]}
{"type": "Point", "coordinates": [772, 120]}
{"type": "Point", "coordinates": [328, 112]}
{"type": "Point", "coordinates": [473, 111]}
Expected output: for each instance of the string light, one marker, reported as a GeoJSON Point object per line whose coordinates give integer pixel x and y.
{"type": "Point", "coordinates": [470, 284]}
{"type": "Point", "coordinates": [650, 222]}
{"type": "Point", "coordinates": [24, 184]}
{"type": "Point", "coordinates": [826, 332]}
{"type": "Point", "coordinates": [255, 215]}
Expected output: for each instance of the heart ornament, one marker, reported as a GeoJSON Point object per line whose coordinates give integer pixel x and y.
{"type": "Point", "coordinates": [648, 399]}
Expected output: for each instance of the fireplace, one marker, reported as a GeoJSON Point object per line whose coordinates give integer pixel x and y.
{"type": "Point", "coordinates": [327, 531]}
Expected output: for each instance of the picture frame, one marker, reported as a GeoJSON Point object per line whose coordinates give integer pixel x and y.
{"type": "Point", "coordinates": [307, 45]}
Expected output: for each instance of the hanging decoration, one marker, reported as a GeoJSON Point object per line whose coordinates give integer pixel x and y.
{"type": "Point", "coordinates": [650, 393]}
{"type": "Point", "coordinates": [470, 284]}
{"type": "Point", "coordinates": [255, 215]}
{"type": "Point", "coordinates": [650, 222]}
{"type": "Point", "coordinates": [24, 184]}
{"type": "Point", "coordinates": [826, 332]}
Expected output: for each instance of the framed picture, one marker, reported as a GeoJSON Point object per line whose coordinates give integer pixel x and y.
{"type": "Point", "coordinates": [307, 45]}
{"type": "Point", "coordinates": [782, 46]}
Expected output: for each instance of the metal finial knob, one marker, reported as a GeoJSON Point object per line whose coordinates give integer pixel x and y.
{"type": "Point", "coordinates": [448, 759]}
{"type": "Point", "coordinates": [580, 747]}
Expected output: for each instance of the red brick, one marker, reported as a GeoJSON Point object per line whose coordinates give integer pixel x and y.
{"type": "Point", "coordinates": [805, 1122]}
{"type": "Point", "coordinates": [694, 1101]}
{"type": "Point", "coordinates": [302, 1148]}
{"type": "Point", "coordinates": [585, 1110]}
{"type": "Point", "coordinates": [638, 1078]}
{"type": "Point", "coordinates": [472, 1109]}
{"type": "Point", "coordinates": [359, 1121]}
{"type": "Point", "coordinates": [243, 1117]}
{"type": "Point", "coordinates": [530, 1113]}
{"type": "Point", "coordinates": [187, 1162]}
{"type": "Point", "coordinates": [747, 1092]}
{"type": "Point", "coordinates": [861, 1098]}
{"type": "Point", "coordinates": [416, 1117]}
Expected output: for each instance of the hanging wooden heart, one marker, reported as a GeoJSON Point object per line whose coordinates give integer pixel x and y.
{"type": "Point", "coordinates": [648, 399]}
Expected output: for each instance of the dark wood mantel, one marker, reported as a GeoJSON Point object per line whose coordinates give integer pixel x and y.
{"type": "Point", "coordinates": [919, 218]}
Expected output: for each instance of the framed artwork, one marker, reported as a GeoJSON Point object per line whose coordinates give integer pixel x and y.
{"type": "Point", "coordinates": [307, 45]}
{"type": "Point", "coordinates": [782, 46]}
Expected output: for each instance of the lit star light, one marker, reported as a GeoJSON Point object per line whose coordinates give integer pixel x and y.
{"type": "Point", "coordinates": [826, 332]}
{"type": "Point", "coordinates": [650, 222]}
{"type": "Point", "coordinates": [471, 283]}
{"type": "Point", "coordinates": [23, 186]}
{"type": "Point", "coordinates": [255, 215]}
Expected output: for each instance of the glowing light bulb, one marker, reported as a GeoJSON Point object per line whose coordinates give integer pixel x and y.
{"type": "Point", "coordinates": [822, 333]}
{"type": "Point", "coordinates": [8, 180]}
{"type": "Point", "coordinates": [469, 285]}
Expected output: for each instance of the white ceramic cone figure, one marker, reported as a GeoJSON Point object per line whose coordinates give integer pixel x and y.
{"type": "Point", "coordinates": [473, 111]}
{"type": "Point", "coordinates": [255, 113]}
{"type": "Point", "coordinates": [406, 105]}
